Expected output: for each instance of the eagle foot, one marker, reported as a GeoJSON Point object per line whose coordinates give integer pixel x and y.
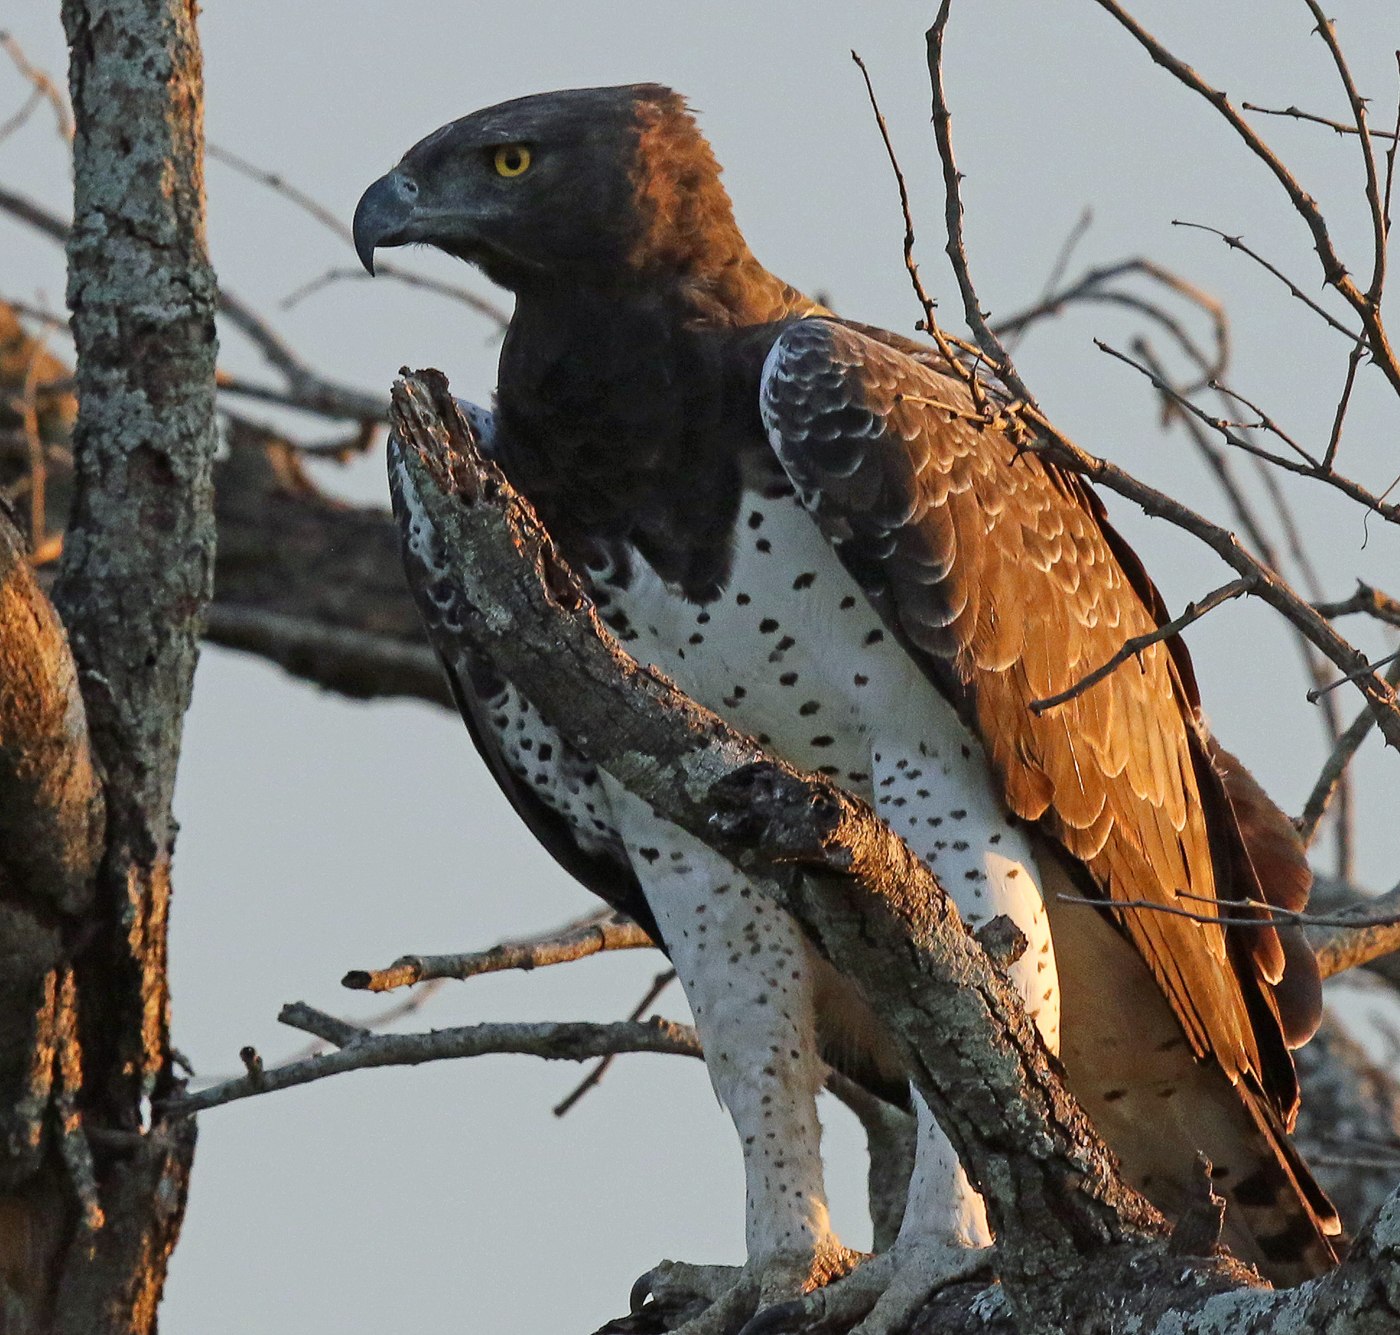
{"type": "Point", "coordinates": [882, 1296]}
{"type": "Point", "coordinates": [725, 1300]}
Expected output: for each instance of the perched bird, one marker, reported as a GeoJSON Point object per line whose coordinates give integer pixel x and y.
{"type": "Point", "coordinates": [808, 525]}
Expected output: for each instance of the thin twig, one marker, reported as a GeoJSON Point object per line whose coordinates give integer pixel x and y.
{"type": "Point", "coordinates": [1366, 599]}
{"type": "Point", "coordinates": [1134, 646]}
{"type": "Point", "coordinates": [1295, 113]}
{"type": "Point", "coordinates": [1232, 433]}
{"type": "Point", "coordinates": [1263, 422]}
{"type": "Point", "coordinates": [1237, 243]}
{"type": "Point", "coordinates": [315, 209]}
{"type": "Point", "coordinates": [1343, 403]}
{"type": "Point", "coordinates": [997, 357]}
{"type": "Point", "coordinates": [1327, 30]}
{"type": "Point", "coordinates": [281, 186]}
{"type": "Point", "coordinates": [1091, 285]}
{"type": "Point", "coordinates": [1336, 765]}
{"type": "Point", "coordinates": [592, 1080]}
{"type": "Point", "coordinates": [1261, 913]}
{"type": "Point", "coordinates": [21, 117]}
{"type": "Point", "coordinates": [1390, 155]}
{"type": "Point", "coordinates": [566, 1041]}
{"type": "Point", "coordinates": [385, 269]}
{"type": "Point", "coordinates": [1361, 670]}
{"type": "Point", "coordinates": [1055, 277]}
{"type": "Point", "coordinates": [1334, 271]}
{"type": "Point", "coordinates": [44, 86]}
{"type": "Point", "coordinates": [598, 932]}
{"type": "Point", "coordinates": [929, 324]}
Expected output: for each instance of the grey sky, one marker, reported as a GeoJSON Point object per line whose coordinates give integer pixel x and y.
{"type": "Point", "coordinates": [320, 835]}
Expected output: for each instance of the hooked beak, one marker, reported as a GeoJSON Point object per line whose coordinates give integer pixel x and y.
{"type": "Point", "coordinates": [383, 215]}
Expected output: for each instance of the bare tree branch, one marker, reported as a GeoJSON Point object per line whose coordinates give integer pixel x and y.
{"type": "Point", "coordinates": [1293, 113]}
{"type": "Point", "coordinates": [597, 932]}
{"type": "Point", "coordinates": [1359, 935]}
{"type": "Point", "coordinates": [1334, 271]}
{"type": "Point", "coordinates": [1192, 612]}
{"type": "Point", "coordinates": [573, 1040]}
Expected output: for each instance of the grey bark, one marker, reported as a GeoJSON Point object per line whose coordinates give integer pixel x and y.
{"type": "Point", "coordinates": [86, 1229]}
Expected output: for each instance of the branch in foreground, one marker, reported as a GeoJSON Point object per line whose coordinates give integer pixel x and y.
{"type": "Point", "coordinates": [590, 936]}
{"type": "Point", "coordinates": [1191, 613]}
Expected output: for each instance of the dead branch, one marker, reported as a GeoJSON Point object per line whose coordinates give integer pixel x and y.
{"type": "Point", "coordinates": [305, 388]}
{"type": "Point", "coordinates": [314, 208]}
{"type": "Point", "coordinates": [1365, 304]}
{"type": "Point", "coordinates": [598, 932]}
{"type": "Point", "coordinates": [591, 1081]}
{"type": "Point", "coordinates": [1092, 286]}
{"type": "Point", "coordinates": [1133, 647]}
{"type": "Point", "coordinates": [1372, 602]}
{"type": "Point", "coordinates": [363, 1051]}
{"type": "Point", "coordinates": [45, 90]}
{"type": "Point", "coordinates": [1039, 434]}
{"type": "Point", "coordinates": [1293, 113]}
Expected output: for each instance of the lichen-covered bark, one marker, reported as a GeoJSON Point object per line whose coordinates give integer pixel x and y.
{"type": "Point", "coordinates": [93, 1224]}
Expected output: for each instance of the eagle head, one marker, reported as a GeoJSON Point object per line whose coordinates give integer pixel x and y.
{"type": "Point", "coordinates": [595, 185]}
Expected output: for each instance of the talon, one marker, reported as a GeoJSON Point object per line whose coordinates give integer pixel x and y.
{"type": "Point", "coordinates": [776, 1319]}
{"type": "Point", "coordinates": [641, 1290]}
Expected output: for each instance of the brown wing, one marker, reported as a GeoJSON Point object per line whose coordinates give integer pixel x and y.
{"type": "Point", "coordinates": [1003, 574]}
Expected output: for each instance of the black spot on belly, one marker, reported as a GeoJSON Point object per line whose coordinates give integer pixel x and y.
{"type": "Point", "coordinates": [1113, 1095]}
{"type": "Point", "coordinates": [756, 519]}
{"type": "Point", "coordinates": [742, 599]}
{"type": "Point", "coordinates": [804, 580]}
{"type": "Point", "coordinates": [809, 707]}
{"type": "Point", "coordinates": [788, 679]}
{"type": "Point", "coordinates": [848, 602]}
{"type": "Point", "coordinates": [874, 637]}
{"type": "Point", "coordinates": [763, 545]}
{"type": "Point", "coordinates": [651, 854]}
{"type": "Point", "coordinates": [767, 626]}
{"type": "Point", "coordinates": [823, 740]}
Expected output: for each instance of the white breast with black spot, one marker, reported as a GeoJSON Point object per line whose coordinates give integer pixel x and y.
{"type": "Point", "coordinates": [794, 653]}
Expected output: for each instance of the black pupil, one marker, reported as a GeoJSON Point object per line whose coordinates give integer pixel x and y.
{"type": "Point", "coordinates": [513, 160]}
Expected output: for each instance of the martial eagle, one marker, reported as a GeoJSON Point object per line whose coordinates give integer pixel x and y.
{"type": "Point", "coordinates": [800, 520]}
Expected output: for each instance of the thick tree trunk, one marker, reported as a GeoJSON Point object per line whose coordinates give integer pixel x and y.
{"type": "Point", "coordinates": [91, 1210]}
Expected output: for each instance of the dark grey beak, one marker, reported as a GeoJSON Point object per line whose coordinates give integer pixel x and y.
{"type": "Point", "coordinates": [383, 214]}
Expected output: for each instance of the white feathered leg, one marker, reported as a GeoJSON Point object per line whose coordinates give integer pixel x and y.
{"type": "Point", "coordinates": [747, 974]}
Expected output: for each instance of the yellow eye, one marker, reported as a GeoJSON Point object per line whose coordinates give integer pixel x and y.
{"type": "Point", "coordinates": [512, 159]}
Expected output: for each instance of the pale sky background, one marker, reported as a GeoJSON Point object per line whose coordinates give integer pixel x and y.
{"type": "Point", "coordinates": [319, 835]}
